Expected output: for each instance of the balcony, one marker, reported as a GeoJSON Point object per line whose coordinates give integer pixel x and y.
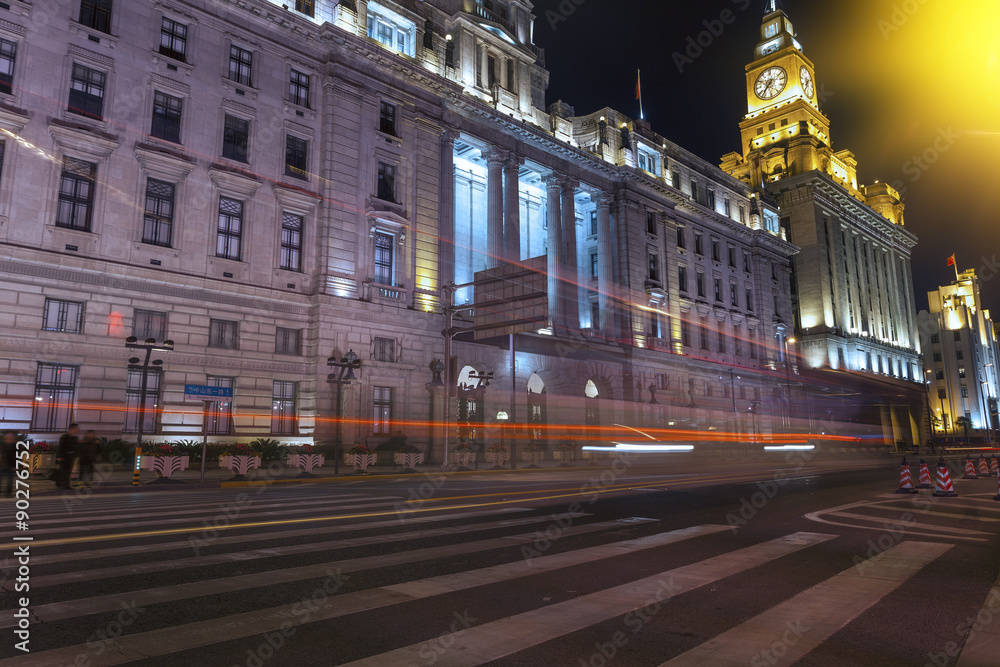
{"type": "Point", "coordinates": [494, 16]}
{"type": "Point", "coordinates": [385, 294]}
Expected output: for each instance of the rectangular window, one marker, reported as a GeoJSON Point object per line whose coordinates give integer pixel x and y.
{"type": "Point", "coordinates": [595, 315]}
{"type": "Point", "coordinates": [732, 257]}
{"type": "Point", "coordinates": [55, 395]}
{"type": "Point", "coordinates": [149, 324]}
{"type": "Point", "coordinates": [283, 408]}
{"type": "Point", "coordinates": [158, 217]}
{"type": "Point", "coordinates": [298, 88]}
{"type": "Point", "coordinates": [718, 289]}
{"type": "Point", "coordinates": [296, 157]}
{"type": "Point", "coordinates": [86, 91]}
{"type": "Point", "coordinates": [96, 14]}
{"type": "Point", "coordinates": [167, 117]}
{"type": "Point", "coordinates": [938, 375]}
{"type": "Point", "coordinates": [651, 222]}
{"type": "Point", "coordinates": [937, 357]}
{"type": "Point", "coordinates": [76, 195]}
{"type": "Point", "coordinates": [240, 65]}
{"type": "Point", "coordinates": [8, 56]}
{"type": "Point", "coordinates": [716, 252]}
{"type": "Point", "coordinates": [173, 39]}
{"type": "Point", "coordinates": [593, 265]}
{"type": "Point", "coordinates": [728, 207]}
{"type": "Point", "coordinates": [675, 179]}
{"type": "Point", "coordinates": [752, 344]}
{"type": "Point", "coordinates": [654, 325]}
{"type": "Point", "coordinates": [749, 298]}
{"type": "Point", "coordinates": [738, 349]}
{"type": "Point", "coordinates": [961, 372]}
{"type": "Point", "coordinates": [942, 394]}
{"type": "Point", "coordinates": [711, 199]}
{"type": "Point", "coordinates": [743, 215]}
{"type": "Point", "coordinates": [384, 255]}
{"type": "Point", "coordinates": [307, 7]}
{"type": "Point", "coordinates": [288, 341]}
{"type": "Point", "coordinates": [593, 224]}
{"type": "Point", "coordinates": [224, 334]}
{"type": "Point", "coordinates": [149, 402]}
{"type": "Point", "coordinates": [685, 334]}
{"type": "Point", "coordinates": [682, 278]}
{"type": "Point", "coordinates": [958, 355]}
{"type": "Point", "coordinates": [388, 33]}
{"type": "Point", "coordinates": [965, 391]}
{"type": "Point", "coordinates": [957, 335]}
{"type": "Point", "coordinates": [220, 413]}
{"type": "Point", "coordinates": [681, 238]}
{"type": "Point", "coordinates": [387, 119]}
{"type": "Point", "coordinates": [734, 299]}
{"type": "Point", "coordinates": [746, 262]}
{"type": "Point", "coordinates": [230, 232]}
{"type": "Point", "coordinates": [704, 334]}
{"type": "Point", "coordinates": [63, 316]}
{"type": "Point", "coordinates": [700, 280]}
{"type": "Point", "coordinates": [386, 182]}
{"type": "Point", "coordinates": [722, 339]}
{"type": "Point", "coordinates": [935, 338]}
{"type": "Point", "coordinates": [236, 139]}
{"type": "Point", "coordinates": [382, 412]}
{"type": "Point", "coordinates": [654, 267]}
{"type": "Point", "coordinates": [385, 349]}
{"type": "Point", "coordinates": [699, 244]}
{"type": "Point", "coordinates": [291, 242]}
{"type": "Point", "coordinates": [694, 190]}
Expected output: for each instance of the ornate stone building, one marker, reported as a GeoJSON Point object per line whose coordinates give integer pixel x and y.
{"type": "Point", "coordinates": [272, 183]}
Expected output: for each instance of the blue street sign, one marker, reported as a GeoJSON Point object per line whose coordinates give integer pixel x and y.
{"type": "Point", "coordinates": [207, 391]}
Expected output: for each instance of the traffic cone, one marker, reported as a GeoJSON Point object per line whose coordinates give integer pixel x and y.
{"type": "Point", "coordinates": [994, 465]}
{"type": "Point", "coordinates": [925, 476]}
{"type": "Point", "coordinates": [984, 467]}
{"type": "Point", "coordinates": [905, 479]}
{"type": "Point", "coordinates": [997, 496]}
{"type": "Point", "coordinates": [944, 487]}
{"type": "Point", "coordinates": [970, 469]}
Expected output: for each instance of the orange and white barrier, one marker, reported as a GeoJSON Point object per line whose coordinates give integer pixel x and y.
{"type": "Point", "coordinates": [944, 486]}
{"type": "Point", "coordinates": [925, 476]}
{"type": "Point", "coordinates": [970, 469]}
{"type": "Point", "coordinates": [905, 479]}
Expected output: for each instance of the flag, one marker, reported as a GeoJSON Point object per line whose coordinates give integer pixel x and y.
{"type": "Point", "coordinates": [951, 260]}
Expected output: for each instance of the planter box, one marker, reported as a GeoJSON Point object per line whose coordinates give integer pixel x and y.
{"type": "Point", "coordinates": [408, 460]}
{"type": "Point", "coordinates": [240, 465]}
{"type": "Point", "coordinates": [566, 456]}
{"type": "Point", "coordinates": [465, 459]}
{"type": "Point", "coordinates": [164, 466]}
{"type": "Point", "coordinates": [306, 462]}
{"type": "Point", "coordinates": [498, 458]}
{"type": "Point", "coordinates": [37, 462]}
{"type": "Point", "coordinates": [532, 458]}
{"type": "Point", "coordinates": [360, 462]}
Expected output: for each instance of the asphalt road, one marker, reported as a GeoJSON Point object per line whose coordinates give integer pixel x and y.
{"type": "Point", "coordinates": [755, 563]}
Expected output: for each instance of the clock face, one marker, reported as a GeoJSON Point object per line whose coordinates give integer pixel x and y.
{"type": "Point", "coordinates": [807, 82]}
{"type": "Point", "coordinates": [771, 82]}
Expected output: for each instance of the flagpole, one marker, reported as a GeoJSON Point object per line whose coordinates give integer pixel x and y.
{"type": "Point", "coordinates": [955, 264]}
{"type": "Point", "coordinates": [638, 86]}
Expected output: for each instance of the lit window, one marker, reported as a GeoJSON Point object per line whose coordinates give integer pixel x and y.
{"type": "Point", "coordinates": [384, 255]}
{"type": "Point", "coordinates": [382, 410]}
{"type": "Point", "coordinates": [8, 54]}
{"type": "Point", "coordinates": [220, 413]}
{"type": "Point", "coordinates": [55, 395]}
{"type": "Point", "coordinates": [283, 408]}
{"type": "Point", "coordinates": [296, 157]}
{"type": "Point", "coordinates": [390, 29]}
{"type": "Point", "coordinates": [63, 316]}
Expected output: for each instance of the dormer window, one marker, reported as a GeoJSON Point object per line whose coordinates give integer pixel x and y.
{"type": "Point", "coordinates": [390, 29]}
{"type": "Point", "coordinates": [649, 161]}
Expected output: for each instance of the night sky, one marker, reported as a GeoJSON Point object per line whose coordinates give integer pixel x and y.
{"type": "Point", "coordinates": [898, 79]}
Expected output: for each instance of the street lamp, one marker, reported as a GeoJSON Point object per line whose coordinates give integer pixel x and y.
{"type": "Point", "coordinates": [346, 365]}
{"type": "Point", "coordinates": [135, 364]}
{"type": "Point", "coordinates": [502, 418]}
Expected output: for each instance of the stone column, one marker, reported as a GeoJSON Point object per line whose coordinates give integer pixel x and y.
{"type": "Point", "coordinates": [512, 208]}
{"type": "Point", "coordinates": [570, 280]}
{"type": "Point", "coordinates": [553, 221]}
{"type": "Point", "coordinates": [446, 210]}
{"type": "Point", "coordinates": [494, 206]}
{"type": "Point", "coordinates": [605, 297]}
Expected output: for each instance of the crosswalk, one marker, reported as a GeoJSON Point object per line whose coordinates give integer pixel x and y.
{"type": "Point", "coordinates": [299, 576]}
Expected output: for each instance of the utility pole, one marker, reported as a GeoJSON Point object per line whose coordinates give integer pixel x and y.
{"type": "Point", "coordinates": [346, 365]}
{"type": "Point", "coordinates": [148, 346]}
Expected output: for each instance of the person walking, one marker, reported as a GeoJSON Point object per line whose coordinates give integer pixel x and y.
{"type": "Point", "coordinates": [69, 443]}
{"type": "Point", "coordinates": [8, 461]}
{"type": "Point", "coordinates": [88, 455]}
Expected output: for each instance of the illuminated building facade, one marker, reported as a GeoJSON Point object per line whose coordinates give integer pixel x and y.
{"type": "Point", "coordinates": [961, 358]}
{"type": "Point", "coordinates": [270, 184]}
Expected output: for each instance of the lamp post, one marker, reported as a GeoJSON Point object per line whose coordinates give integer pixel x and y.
{"type": "Point", "coordinates": [482, 380]}
{"type": "Point", "coordinates": [502, 418]}
{"type": "Point", "coordinates": [346, 365]}
{"type": "Point", "coordinates": [135, 364]}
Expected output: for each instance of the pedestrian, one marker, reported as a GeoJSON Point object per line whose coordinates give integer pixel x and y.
{"type": "Point", "coordinates": [8, 461]}
{"type": "Point", "coordinates": [88, 455]}
{"type": "Point", "coordinates": [69, 443]}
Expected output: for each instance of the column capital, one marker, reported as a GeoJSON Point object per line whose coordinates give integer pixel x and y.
{"type": "Point", "coordinates": [494, 156]}
{"type": "Point", "coordinates": [553, 180]}
{"type": "Point", "coordinates": [448, 136]}
{"type": "Point", "coordinates": [513, 161]}
{"type": "Point", "coordinates": [601, 199]}
{"type": "Point", "coordinates": [570, 184]}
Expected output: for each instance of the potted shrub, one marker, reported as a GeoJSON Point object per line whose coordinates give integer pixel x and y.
{"type": "Point", "coordinates": [40, 455]}
{"type": "Point", "coordinates": [409, 457]}
{"type": "Point", "coordinates": [359, 457]}
{"type": "Point", "coordinates": [163, 459]}
{"type": "Point", "coordinates": [565, 453]}
{"type": "Point", "coordinates": [463, 456]}
{"type": "Point", "coordinates": [305, 458]}
{"type": "Point", "coordinates": [497, 455]}
{"type": "Point", "coordinates": [240, 458]}
{"type": "Point", "coordinates": [533, 454]}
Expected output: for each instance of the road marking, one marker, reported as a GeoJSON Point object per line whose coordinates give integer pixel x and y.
{"type": "Point", "coordinates": [922, 526]}
{"type": "Point", "coordinates": [983, 645]}
{"type": "Point", "coordinates": [132, 549]}
{"type": "Point", "coordinates": [194, 589]}
{"type": "Point", "coordinates": [491, 641]}
{"type": "Point", "coordinates": [803, 622]}
{"type": "Point", "coordinates": [194, 635]}
{"type": "Point", "coordinates": [886, 507]}
{"type": "Point", "coordinates": [818, 518]}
